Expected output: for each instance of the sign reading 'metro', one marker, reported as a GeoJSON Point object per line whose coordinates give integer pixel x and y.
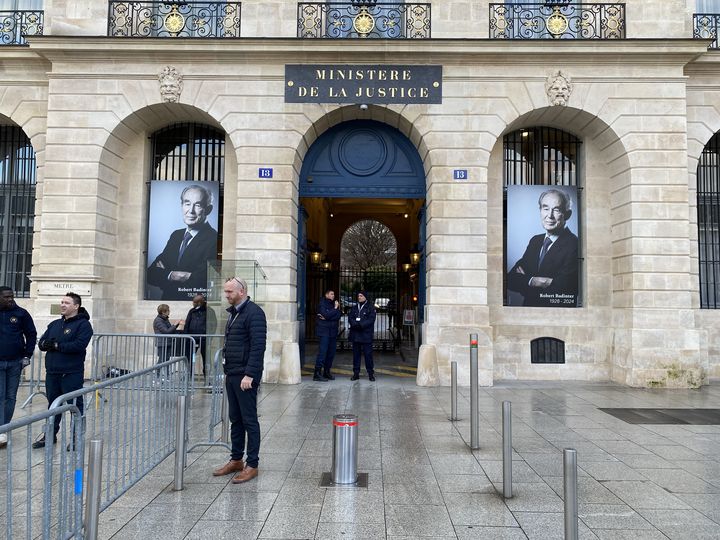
{"type": "Point", "coordinates": [306, 83]}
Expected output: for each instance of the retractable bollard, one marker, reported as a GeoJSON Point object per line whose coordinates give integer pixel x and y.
{"type": "Point", "coordinates": [345, 449]}
{"type": "Point", "coordinates": [94, 489]}
{"type": "Point", "coordinates": [453, 391]}
{"type": "Point", "coordinates": [507, 448]}
{"type": "Point", "coordinates": [474, 391]}
{"type": "Point", "coordinates": [570, 493]}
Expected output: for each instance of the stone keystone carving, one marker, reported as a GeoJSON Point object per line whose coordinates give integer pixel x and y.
{"type": "Point", "coordinates": [171, 84]}
{"type": "Point", "coordinates": [558, 88]}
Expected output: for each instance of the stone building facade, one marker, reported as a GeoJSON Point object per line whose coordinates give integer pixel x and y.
{"type": "Point", "coordinates": [644, 108]}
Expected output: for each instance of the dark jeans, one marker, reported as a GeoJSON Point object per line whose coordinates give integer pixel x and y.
{"type": "Point", "coordinates": [326, 352]}
{"type": "Point", "coordinates": [366, 349]}
{"type": "Point", "coordinates": [243, 419]}
{"type": "Point", "coordinates": [57, 384]}
{"type": "Point", "coordinates": [9, 381]}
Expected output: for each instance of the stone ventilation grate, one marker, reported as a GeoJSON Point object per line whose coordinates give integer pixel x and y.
{"type": "Point", "coordinates": [547, 350]}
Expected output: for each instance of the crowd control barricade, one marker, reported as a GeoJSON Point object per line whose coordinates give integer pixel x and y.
{"type": "Point", "coordinates": [134, 416]}
{"type": "Point", "coordinates": [32, 377]}
{"type": "Point", "coordinates": [41, 491]}
{"type": "Point", "coordinates": [219, 413]}
{"type": "Point", "coordinates": [114, 355]}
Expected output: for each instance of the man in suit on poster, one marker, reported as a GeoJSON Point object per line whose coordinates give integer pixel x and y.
{"type": "Point", "coordinates": [180, 271]}
{"type": "Point", "coordinates": [547, 273]}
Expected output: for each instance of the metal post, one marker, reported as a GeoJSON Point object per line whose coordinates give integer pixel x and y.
{"type": "Point", "coordinates": [507, 448]}
{"type": "Point", "coordinates": [180, 444]}
{"type": "Point", "coordinates": [453, 391]}
{"type": "Point", "coordinates": [225, 411]}
{"type": "Point", "coordinates": [94, 489]}
{"type": "Point", "coordinates": [474, 390]}
{"type": "Point", "coordinates": [570, 493]}
{"type": "Point", "coordinates": [345, 449]}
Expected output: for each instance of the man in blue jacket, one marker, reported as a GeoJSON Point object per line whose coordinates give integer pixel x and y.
{"type": "Point", "coordinates": [243, 362]}
{"type": "Point", "coordinates": [18, 337]}
{"type": "Point", "coordinates": [65, 342]}
{"type": "Point", "coordinates": [327, 329]}
{"type": "Point", "coordinates": [362, 329]}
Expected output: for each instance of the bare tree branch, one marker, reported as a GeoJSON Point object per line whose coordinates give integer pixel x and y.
{"type": "Point", "coordinates": [367, 244]}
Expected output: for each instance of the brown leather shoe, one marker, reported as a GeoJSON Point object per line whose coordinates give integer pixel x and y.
{"type": "Point", "coordinates": [248, 473]}
{"type": "Point", "coordinates": [234, 465]}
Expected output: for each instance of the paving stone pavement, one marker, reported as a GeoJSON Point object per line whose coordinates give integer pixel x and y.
{"type": "Point", "coordinates": [635, 481]}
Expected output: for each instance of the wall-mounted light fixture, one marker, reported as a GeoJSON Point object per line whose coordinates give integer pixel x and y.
{"type": "Point", "coordinates": [414, 257]}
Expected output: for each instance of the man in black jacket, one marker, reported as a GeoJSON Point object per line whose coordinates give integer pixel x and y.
{"type": "Point", "coordinates": [181, 269]}
{"type": "Point", "coordinates": [243, 354]}
{"type": "Point", "coordinates": [18, 338]}
{"type": "Point", "coordinates": [200, 320]}
{"type": "Point", "coordinates": [65, 341]}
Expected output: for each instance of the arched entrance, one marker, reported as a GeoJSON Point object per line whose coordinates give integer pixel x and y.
{"type": "Point", "coordinates": [357, 171]}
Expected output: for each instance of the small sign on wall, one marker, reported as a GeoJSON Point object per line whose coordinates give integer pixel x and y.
{"type": "Point", "coordinates": [265, 172]}
{"type": "Point", "coordinates": [460, 174]}
{"type": "Point", "coordinates": [60, 288]}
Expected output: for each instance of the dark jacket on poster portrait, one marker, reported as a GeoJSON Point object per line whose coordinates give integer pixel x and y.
{"type": "Point", "coordinates": [199, 251]}
{"type": "Point", "coordinates": [560, 263]}
{"type": "Point", "coordinates": [245, 340]}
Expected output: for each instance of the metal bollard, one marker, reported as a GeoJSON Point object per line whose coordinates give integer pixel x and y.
{"type": "Point", "coordinates": [225, 412]}
{"type": "Point", "coordinates": [507, 448]}
{"type": "Point", "coordinates": [180, 444]}
{"type": "Point", "coordinates": [345, 449]}
{"type": "Point", "coordinates": [94, 489]}
{"type": "Point", "coordinates": [570, 493]}
{"type": "Point", "coordinates": [474, 391]}
{"type": "Point", "coordinates": [453, 391]}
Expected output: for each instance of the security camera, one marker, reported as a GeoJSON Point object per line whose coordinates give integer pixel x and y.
{"type": "Point", "coordinates": [363, 107]}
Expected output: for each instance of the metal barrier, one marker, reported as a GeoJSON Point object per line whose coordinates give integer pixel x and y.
{"type": "Point", "coordinates": [219, 410]}
{"type": "Point", "coordinates": [32, 377]}
{"type": "Point", "coordinates": [120, 354]}
{"type": "Point", "coordinates": [134, 415]}
{"type": "Point", "coordinates": [55, 487]}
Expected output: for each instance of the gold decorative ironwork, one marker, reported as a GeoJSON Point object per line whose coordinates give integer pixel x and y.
{"type": "Point", "coordinates": [174, 21]}
{"type": "Point", "coordinates": [364, 22]}
{"type": "Point", "coordinates": [557, 23]}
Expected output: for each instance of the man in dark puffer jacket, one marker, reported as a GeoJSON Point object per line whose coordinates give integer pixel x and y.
{"type": "Point", "coordinates": [65, 342]}
{"type": "Point", "coordinates": [245, 339]}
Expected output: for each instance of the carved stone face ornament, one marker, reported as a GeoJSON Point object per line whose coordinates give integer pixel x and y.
{"type": "Point", "coordinates": [171, 84]}
{"type": "Point", "coordinates": [558, 88]}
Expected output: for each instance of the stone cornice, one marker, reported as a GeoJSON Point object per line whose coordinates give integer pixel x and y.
{"type": "Point", "coordinates": [294, 50]}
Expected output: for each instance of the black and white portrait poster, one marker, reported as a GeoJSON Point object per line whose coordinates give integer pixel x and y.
{"type": "Point", "coordinates": [182, 237]}
{"type": "Point", "coordinates": [541, 246]}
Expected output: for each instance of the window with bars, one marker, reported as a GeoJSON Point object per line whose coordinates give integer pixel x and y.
{"type": "Point", "coordinates": [541, 156]}
{"type": "Point", "coordinates": [708, 208]}
{"type": "Point", "coordinates": [17, 208]}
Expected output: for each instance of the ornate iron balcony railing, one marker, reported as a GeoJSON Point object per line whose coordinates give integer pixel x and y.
{"type": "Point", "coordinates": [557, 20]}
{"type": "Point", "coordinates": [363, 19]}
{"type": "Point", "coordinates": [705, 26]}
{"type": "Point", "coordinates": [14, 25]}
{"type": "Point", "coordinates": [174, 19]}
